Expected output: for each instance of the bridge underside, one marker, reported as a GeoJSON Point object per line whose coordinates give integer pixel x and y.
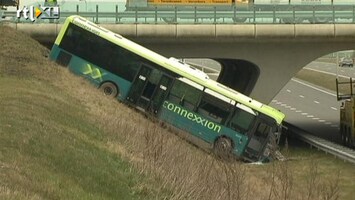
{"type": "Point", "coordinates": [260, 69]}
{"type": "Point", "coordinates": [256, 59]}
{"type": "Point", "coordinates": [240, 75]}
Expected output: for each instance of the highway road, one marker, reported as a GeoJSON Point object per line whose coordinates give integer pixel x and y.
{"type": "Point", "coordinates": [310, 107]}
{"type": "Point", "coordinates": [331, 68]}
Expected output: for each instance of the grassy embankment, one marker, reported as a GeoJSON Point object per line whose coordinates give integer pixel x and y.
{"type": "Point", "coordinates": [324, 80]}
{"type": "Point", "coordinates": [60, 139]}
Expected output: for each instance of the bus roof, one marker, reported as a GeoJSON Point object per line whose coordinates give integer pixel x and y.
{"type": "Point", "coordinates": [174, 65]}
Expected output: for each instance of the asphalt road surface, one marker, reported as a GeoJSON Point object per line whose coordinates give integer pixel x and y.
{"type": "Point", "coordinates": [310, 107]}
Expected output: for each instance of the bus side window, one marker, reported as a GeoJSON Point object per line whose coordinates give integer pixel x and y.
{"type": "Point", "coordinates": [241, 121]}
{"type": "Point", "coordinates": [185, 95]}
{"type": "Point", "coordinates": [213, 108]}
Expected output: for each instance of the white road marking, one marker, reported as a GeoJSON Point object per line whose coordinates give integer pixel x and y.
{"type": "Point", "coordinates": [328, 123]}
{"type": "Point", "coordinates": [301, 96]}
{"type": "Point", "coordinates": [288, 91]}
{"type": "Point", "coordinates": [292, 109]}
{"type": "Point", "coordinates": [300, 82]}
{"type": "Point", "coordinates": [321, 120]}
{"type": "Point", "coordinates": [310, 116]}
{"type": "Point", "coordinates": [317, 102]}
{"type": "Point", "coordinates": [278, 103]}
{"type": "Point", "coordinates": [274, 101]}
{"type": "Point", "coordinates": [333, 108]}
{"type": "Point", "coordinates": [298, 111]}
{"type": "Point", "coordinates": [315, 118]}
{"type": "Point", "coordinates": [304, 114]}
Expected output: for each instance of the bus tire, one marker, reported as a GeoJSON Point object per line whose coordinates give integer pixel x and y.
{"type": "Point", "coordinates": [223, 147]}
{"type": "Point", "coordinates": [109, 89]}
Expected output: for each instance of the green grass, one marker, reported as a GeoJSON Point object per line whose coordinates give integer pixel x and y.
{"type": "Point", "coordinates": [50, 145]}
{"type": "Point", "coordinates": [60, 139]}
{"type": "Point", "coordinates": [50, 149]}
{"type": "Point", "coordinates": [324, 80]}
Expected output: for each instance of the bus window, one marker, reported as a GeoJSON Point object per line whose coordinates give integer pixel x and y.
{"type": "Point", "coordinates": [185, 95]}
{"type": "Point", "coordinates": [214, 108]}
{"type": "Point", "coordinates": [101, 52]}
{"type": "Point", "coordinates": [153, 81]}
{"type": "Point", "coordinates": [262, 131]}
{"type": "Point", "coordinates": [241, 121]}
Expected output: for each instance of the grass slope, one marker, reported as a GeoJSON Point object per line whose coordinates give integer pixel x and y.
{"type": "Point", "coordinates": [60, 139]}
{"type": "Point", "coordinates": [50, 146]}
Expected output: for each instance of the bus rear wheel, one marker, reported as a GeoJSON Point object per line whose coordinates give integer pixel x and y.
{"type": "Point", "coordinates": [109, 89]}
{"type": "Point", "coordinates": [223, 147]}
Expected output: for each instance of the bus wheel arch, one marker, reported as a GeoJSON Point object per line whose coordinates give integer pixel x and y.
{"type": "Point", "coordinates": [109, 89]}
{"type": "Point", "coordinates": [223, 146]}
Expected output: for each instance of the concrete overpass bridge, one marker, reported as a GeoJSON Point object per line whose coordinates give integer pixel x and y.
{"type": "Point", "coordinates": [257, 59]}
{"type": "Point", "coordinates": [258, 54]}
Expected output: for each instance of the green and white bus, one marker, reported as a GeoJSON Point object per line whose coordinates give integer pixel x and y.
{"type": "Point", "coordinates": [173, 91]}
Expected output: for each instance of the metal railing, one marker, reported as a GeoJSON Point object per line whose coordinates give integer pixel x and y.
{"type": "Point", "coordinates": [332, 148]}
{"type": "Point", "coordinates": [203, 15]}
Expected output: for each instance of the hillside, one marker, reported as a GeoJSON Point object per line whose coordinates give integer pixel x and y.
{"type": "Point", "coordinates": [61, 139]}
{"type": "Point", "coordinates": [50, 147]}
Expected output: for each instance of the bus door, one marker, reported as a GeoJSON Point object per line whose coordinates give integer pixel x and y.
{"type": "Point", "coordinates": [259, 138]}
{"type": "Point", "coordinates": [139, 84]}
{"type": "Point", "coordinates": [161, 93]}
{"type": "Point", "coordinates": [149, 89]}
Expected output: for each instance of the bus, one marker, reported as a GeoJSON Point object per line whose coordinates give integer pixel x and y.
{"type": "Point", "coordinates": [168, 89]}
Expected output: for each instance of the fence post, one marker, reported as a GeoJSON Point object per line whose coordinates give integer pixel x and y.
{"type": "Point", "coordinates": [215, 15]}
{"type": "Point", "coordinates": [175, 17]}
{"type": "Point", "coordinates": [314, 14]}
{"type": "Point", "coordinates": [156, 15]}
{"type": "Point", "coordinates": [116, 14]}
{"type": "Point", "coordinates": [254, 14]}
{"type": "Point", "coordinates": [333, 13]}
{"type": "Point", "coordinates": [235, 13]}
{"type": "Point", "coordinates": [97, 14]}
{"type": "Point", "coordinates": [274, 15]}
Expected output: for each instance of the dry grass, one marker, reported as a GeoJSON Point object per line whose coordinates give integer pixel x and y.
{"type": "Point", "coordinates": [177, 169]}
{"type": "Point", "coordinates": [324, 80]}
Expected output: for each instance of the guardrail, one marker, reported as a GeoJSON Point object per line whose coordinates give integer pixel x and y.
{"type": "Point", "coordinates": [332, 148]}
{"type": "Point", "coordinates": [206, 15]}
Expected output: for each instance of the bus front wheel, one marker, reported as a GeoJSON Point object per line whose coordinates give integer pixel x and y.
{"type": "Point", "coordinates": [223, 147]}
{"type": "Point", "coordinates": [109, 89]}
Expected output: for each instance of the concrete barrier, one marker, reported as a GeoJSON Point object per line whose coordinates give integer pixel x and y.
{"type": "Point", "coordinates": [235, 31]}
{"type": "Point", "coordinates": [278, 31]}
{"type": "Point", "coordinates": [195, 31]}
{"type": "Point", "coordinates": [159, 30]}
{"type": "Point", "coordinates": [314, 31]}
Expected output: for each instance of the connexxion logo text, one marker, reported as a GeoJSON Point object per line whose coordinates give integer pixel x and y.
{"type": "Point", "coordinates": [44, 12]}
